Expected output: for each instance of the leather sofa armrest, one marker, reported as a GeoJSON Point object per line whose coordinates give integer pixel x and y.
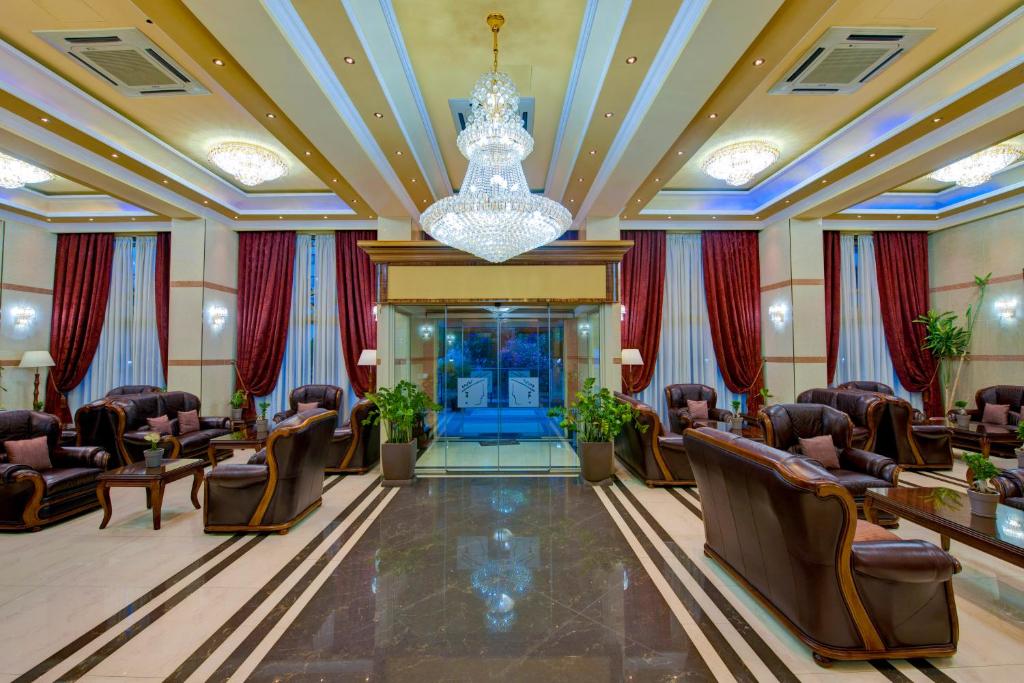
{"type": "Point", "coordinates": [903, 561]}
{"type": "Point", "coordinates": [1012, 418]}
{"type": "Point", "coordinates": [259, 457]}
{"type": "Point", "coordinates": [879, 466]}
{"type": "Point", "coordinates": [679, 419]}
{"type": "Point", "coordinates": [720, 414]}
{"type": "Point", "coordinates": [81, 456]}
{"type": "Point", "coordinates": [282, 416]}
{"type": "Point", "coordinates": [931, 431]}
{"type": "Point", "coordinates": [234, 475]}
{"type": "Point", "coordinates": [11, 472]}
{"type": "Point", "coordinates": [672, 443]}
{"type": "Point", "coordinates": [1009, 483]}
{"type": "Point", "coordinates": [214, 422]}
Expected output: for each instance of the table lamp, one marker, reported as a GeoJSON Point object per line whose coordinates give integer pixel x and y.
{"type": "Point", "coordinates": [630, 357]}
{"type": "Point", "coordinates": [368, 357]}
{"type": "Point", "coordinates": [37, 360]}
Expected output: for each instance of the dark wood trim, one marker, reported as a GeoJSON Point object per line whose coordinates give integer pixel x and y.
{"type": "Point", "coordinates": [11, 287]}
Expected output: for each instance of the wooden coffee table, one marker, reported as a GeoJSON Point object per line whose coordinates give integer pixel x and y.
{"type": "Point", "coordinates": [153, 479]}
{"type": "Point", "coordinates": [235, 441]}
{"type": "Point", "coordinates": [948, 513]}
{"type": "Point", "coordinates": [980, 439]}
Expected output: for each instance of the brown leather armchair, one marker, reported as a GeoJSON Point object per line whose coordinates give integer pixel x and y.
{"type": "Point", "coordinates": [326, 396]}
{"type": "Point", "coordinates": [787, 530]}
{"type": "Point", "coordinates": [786, 423]}
{"type": "Point", "coordinates": [912, 445]}
{"type": "Point", "coordinates": [864, 409]}
{"type": "Point", "coordinates": [884, 390]}
{"type": "Point", "coordinates": [127, 416]}
{"type": "Point", "coordinates": [1003, 439]}
{"type": "Point", "coordinates": [130, 389]}
{"type": "Point", "coordinates": [1010, 485]}
{"type": "Point", "coordinates": [657, 459]}
{"type": "Point", "coordinates": [676, 396]}
{"type": "Point", "coordinates": [280, 485]}
{"type": "Point", "coordinates": [355, 447]}
{"type": "Point", "coordinates": [31, 499]}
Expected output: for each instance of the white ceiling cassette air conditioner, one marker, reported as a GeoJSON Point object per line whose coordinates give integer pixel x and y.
{"type": "Point", "coordinates": [846, 58]}
{"type": "Point", "coordinates": [126, 60]}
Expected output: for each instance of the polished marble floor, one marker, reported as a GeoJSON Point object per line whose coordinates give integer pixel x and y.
{"type": "Point", "coordinates": [511, 455]}
{"type": "Point", "coordinates": [456, 579]}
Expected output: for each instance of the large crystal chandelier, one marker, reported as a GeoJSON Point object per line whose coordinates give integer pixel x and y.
{"type": "Point", "coordinates": [250, 164]}
{"type": "Point", "coordinates": [15, 173]}
{"type": "Point", "coordinates": [494, 215]}
{"type": "Point", "coordinates": [737, 164]}
{"type": "Point", "coordinates": [979, 168]}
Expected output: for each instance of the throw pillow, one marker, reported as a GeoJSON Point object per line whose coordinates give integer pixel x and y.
{"type": "Point", "coordinates": [996, 413]}
{"type": "Point", "coordinates": [303, 407]}
{"type": "Point", "coordinates": [822, 449]}
{"type": "Point", "coordinates": [34, 453]}
{"type": "Point", "coordinates": [698, 409]}
{"type": "Point", "coordinates": [161, 425]}
{"type": "Point", "coordinates": [188, 421]}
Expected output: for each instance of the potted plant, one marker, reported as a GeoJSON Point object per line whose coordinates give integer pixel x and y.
{"type": "Point", "coordinates": [262, 427]}
{"type": "Point", "coordinates": [399, 408]}
{"type": "Point", "coordinates": [736, 421]}
{"type": "Point", "coordinates": [38, 406]}
{"type": "Point", "coordinates": [1020, 449]}
{"type": "Point", "coordinates": [237, 403]}
{"type": "Point", "coordinates": [981, 494]}
{"type": "Point", "coordinates": [153, 454]}
{"type": "Point", "coordinates": [596, 417]}
{"type": "Point", "coordinates": [963, 420]}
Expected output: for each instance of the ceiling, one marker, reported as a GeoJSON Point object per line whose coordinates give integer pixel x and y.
{"type": "Point", "coordinates": [628, 100]}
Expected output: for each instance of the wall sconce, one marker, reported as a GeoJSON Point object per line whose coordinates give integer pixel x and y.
{"type": "Point", "coordinates": [1006, 309]}
{"type": "Point", "coordinates": [777, 314]}
{"type": "Point", "coordinates": [374, 310]}
{"type": "Point", "coordinates": [426, 332]}
{"type": "Point", "coordinates": [217, 315]}
{"type": "Point", "coordinates": [622, 313]}
{"type": "Point", "coordinates": [450, 338]}
{"type": "Point", "coordinates": [23, 316]}
{"type": "Point", "coordinates": [584, 329]}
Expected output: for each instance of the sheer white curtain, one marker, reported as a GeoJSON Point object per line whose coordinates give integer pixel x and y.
{"type": "Point", "coordinates": [312, 353]}
{"type": "Point", "coordinates": [686, 353]}
{"type": "Point", "coordinates": [129, 348]}
{"type": "Point", "coordinates": [863, 351]}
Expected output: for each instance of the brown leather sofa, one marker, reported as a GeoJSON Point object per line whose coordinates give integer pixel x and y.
{"type": "Point", "coordinates": [1010, 485]}
{"type": "Point", "coordinates": [1003, 439]}
{"type": "Point", "coordinates": [355, 447]}
{"type": "Point", "coordinates": [787, 530]}
{"type": "Point", "coordinates": [912, 445]}
{"type": "Point", "coordinates": [131, 389]}
{"type": "Point", "coordinates": [657, 459]}
{"type": "Point", "coordinates": [280, 485]}
{"type": "Point", "coordinates": [884, 390]}
{"type": "Point", "coordinates": [326, 396]}
{"type": "Point", "coordinates": [31, 499]}
{"type": "Point", "coordinates": [864, 409]}
{"type": "Point", "coordinates": [786, 423]}
{"type": "Point", "coordinates": [676, 396]}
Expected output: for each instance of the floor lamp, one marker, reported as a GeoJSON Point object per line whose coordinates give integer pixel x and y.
{"type": "Point", "coordinates": [37, 360]}
{"type": "Point", "coordinates": [630, 358]}
{"type": "Point", "coordinates": [368, 358]}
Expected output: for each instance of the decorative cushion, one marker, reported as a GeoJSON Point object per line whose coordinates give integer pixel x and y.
{"type": "Point", "coordinates": [34, 453]}
{"type": "Point", "coordinates": [996, 413]}
{"type": "Point", "coordinates": [161, 425]}
{"type": "Point", "coordinates": [698, 409]}
{"type": "Point", "coordinates": [822, 449]}
{"type": "Point", "coordinates": [188, 421]}
{"type": "Point", "coordinates": [866, 531]}
{"type": "Point", "coordinates": [303, 407]}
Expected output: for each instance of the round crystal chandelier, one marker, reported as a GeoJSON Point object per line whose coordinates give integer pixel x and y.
{"type": "Point", "coordinates": [15, 173]}
{"type": "Point", "coordinates": [979, 168]}
{"type": "Point", "coordinates": [495, 216]}
{"type": "Point", "coordinates": [738, 163]}
{"type": "Point", "coordinates": [249, 164]}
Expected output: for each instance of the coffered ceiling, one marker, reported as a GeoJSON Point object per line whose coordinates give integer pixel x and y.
{"type": "Point", "coordinates": [628, 99]}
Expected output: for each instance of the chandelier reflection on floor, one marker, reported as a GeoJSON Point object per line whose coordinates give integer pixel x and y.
{"type": "Point", "coordinates": [494, 215]}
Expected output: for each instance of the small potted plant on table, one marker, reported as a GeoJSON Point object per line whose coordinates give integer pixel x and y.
{"type": "Point", "coordinates": [982, 495]}
{"type": "Point", "coordinates": [963, 420]}
{"type": "Point", "coordinates": [1020, 449]}
{"type": "Point", "coordinates": [237, 403]}
{"type": "Point", "coordinates": [736, 421]}
{"type": "Point", "coordinates": [154, 455]}
{"type": "Point", "coordinates": [596, 417]}
{"type": "Point", "coordinates": [399, 409]}
{"type": "Point", "coordinates": [262, 426]}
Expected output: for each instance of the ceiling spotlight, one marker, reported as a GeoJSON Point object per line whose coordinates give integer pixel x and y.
{"type": "Point", "coordinates": [219, 62]}
{"type": "Point", "coordinates": [572, 201]}
{"type": "Point", "coordinates": [249, 164]}
{"type": "Point", "coordinates": [412, 179]}
{"type": "Point", "coordinates": [787, 201]}
{"type": "Point", "coordinates": [308, 153]}
{"type": "Point", "coordinates": [824, 181]}
{"type": "Point", "coordinates": [638, 201]}
{"type": "Point", "coordinates": [91, 220]}
{"type": "Point", "coordinates": [165, 181]}
{"type": "Point", "coordinates": [759, 61]}
{"type": "Point", "coordinates": [714, 218]}
{"type": "Point", "coordinates": [936, 119]}
{"type": "Point", "coordinates": [378, 115]}
{"type": "Point", "coordinates": [334, 180]}
{"type": "Point", "coordinates": [609, 114]}
{"type": "Point", "coordinates": [979, 168]}
{"type": "Point", "coordinates": [738, 163]}
{"type": "Point", "coordinates": [679, 153]}
{"type": "Point", "coordinates": [872, 155]}
{"type": "Point", "coordinates": [44, 119]}
{"type": "Point", "coordinates": [657, 180]}
{"type": "Point", "coordinates": [712, 115]}
{"type": "Point", "coordinates": [631, 59]}
{"type": "Point", "coordinates": [206, 201]}
{"type": "Point", "coordinates": [593, 152]}
{"type": "Point", "coordinates": [349, 60]}
{"type": "Point", "coordinates": [398, 152]}
{"type": "Point", "coordinates": [325, 217]}
{"type": "Point", "coordinates": [271, 115]}
{"type": "Point", "coordinates": [113, 155]}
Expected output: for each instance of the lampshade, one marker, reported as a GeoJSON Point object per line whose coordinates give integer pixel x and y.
{"type": "Point", "coordinates": [36, 359]}
{"type": "Point", "coordinates": [368, 357]}
{"type": "Point", "coordinates": [631, 357]}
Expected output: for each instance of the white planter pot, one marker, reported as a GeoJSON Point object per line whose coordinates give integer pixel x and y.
{"type": "Point", "coordinates": [154, 456]}
{"type": "Point", "coordinates": [236, 414]}
{"type": "Point", "coordinates": [983, 504]}
{"type": "Point", "coordinates": [1020, 457]}
{"type": "Point", "coordinates": [963, 421]}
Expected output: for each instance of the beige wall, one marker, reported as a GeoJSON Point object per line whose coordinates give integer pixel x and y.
{"type": "Point", "coordinates": [956, 255]}
{"type": "Point", "coordinates": [27, 257]}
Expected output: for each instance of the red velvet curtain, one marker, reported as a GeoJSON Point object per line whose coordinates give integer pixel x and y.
{"type": "Point", "coordinates": [643, 288]}
{"type": "Point", "coordinates": [163, 293]}
{"type": "Point", "coordinates": [266, 261]}
{"type": "Point", "coordinates": [901, 264]}
{"type": "Point", "coordinates": [357, 293]}
{"type": "Point", "coordinates": [732, 286]}
{"type": "Point", "coordinates": [833, 307]}
{"type": "Point", "coordinates": [81, 285]}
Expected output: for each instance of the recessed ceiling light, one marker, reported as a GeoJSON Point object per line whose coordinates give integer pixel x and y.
{"type": "Point", "coordinates": [44, 119]}
{"type": "Point", "coordinates": [349, 60]}
{"type": "Point", "coordinates": [113, 155]}
{"type": "Point", "coordinates": [308, 153]}
{"type": "Point", "coordinates": [670, 217]}
{"type": "Point", "coordinates": [712, 115]}
{"type": "Point", "coordinates": [133, 218]}
{"type": "Point", "coordinates": [165, 181]}
{"type": "Point", "coordinates": [787, 201]}
{"type": "Point", "coordinates": [271, 115]}
{"type": "Point", "coordinates": [424, 201]}
{"type": "Point", "coordinates": [206, 201]}
{"type": "Point", "coordinates": [412, 179]}
{"type": "Point", "coordinates": [824, 181]}
{"type": "Point", "coordinates": [280, 217]}
{"type": "Point", "coordinates": [398, 152]}
{"type": "Point", "coordinates": [580, 179]}
{"type": "Point", "coordinates": [638, 201]}
{"type": "Point", "coordinates": [572, 201]}
{"type": "Point", "coordinates": [91, 220]}
{"type": "Point", "coordinates": [593, 152]}
{"type": "Point", "coordinates": [631, 59]}
{"type": "Point", "coordinates": [657, 180]}
{"type": "Point", "coordinates": [378, 114]}
{"type": "Point", "coordinates": [609, 114]}
{"type": "Point", "coordinates": [325, 217]}
{"type": "Point", "coordinates": [334, 180]}
{"type": "Point", "coordinates": [858, 215]}
{"type": "Point", "coordinates": [759, 61]}
{"type": "Point", "coordinates": [219, 62]}
{"type": "Point", "coordinates": [679, 153]}
{"type": "Point", "coordinates": [936, 119]}
{"type": "Point", "coordinates": [872, 155]}
{"type": "Point", "coordinates": [757, 218]}
{"type": "Point", "coordinates": [236, 218]}
{"type": "Point", "coordinates": [714, 218]}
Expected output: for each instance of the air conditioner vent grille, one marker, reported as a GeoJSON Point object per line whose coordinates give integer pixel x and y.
{"type": "Point", "coordinates": [844, 66]}
{"type": "Point", "coordinates": [129, 67]}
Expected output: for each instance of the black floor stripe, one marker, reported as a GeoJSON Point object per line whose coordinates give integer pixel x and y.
{"type": "Point", "coordinates": [718, 642]}
{"type": "Point", "coordinates": [119, 616]}
{"type": "Point", "coordinates": [742, 626]}
{"type": "Point", "coordinates": [243, 651]}
{"type": "Point", "coordinates": [692, 508]}
{"type": "Point", "coordinates": [948, 481]}
{"type": "Point", "coordinates": [890, 671]}
{"type": "Point", "coordinates": [199, 655]}
{"type": "Point", "coordinates": [931, 671]}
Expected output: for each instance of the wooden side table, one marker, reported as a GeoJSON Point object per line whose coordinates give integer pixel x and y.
{"type": "Point", "coordinates": [153, 479]}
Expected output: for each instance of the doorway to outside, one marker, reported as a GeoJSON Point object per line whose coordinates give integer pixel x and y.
{"type": "Point", "coordinates": [496, 371]}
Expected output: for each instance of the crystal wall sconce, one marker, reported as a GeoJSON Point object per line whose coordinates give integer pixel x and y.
{"type": "Point", "coordinates": [218, 316]}
{"type": "Point", "coordinates": [23, 316]}
{"type": "Point", "coordinates": [1006, 310]}
{"type": "Point", "coordinates": [777, 314]}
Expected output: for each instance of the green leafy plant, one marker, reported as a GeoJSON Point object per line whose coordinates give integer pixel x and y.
{"type": "Point", "coordinates": [263, 405]}
{"type": "Point", "coordinates": [1020, 430]}
{"type": "Point", "coordinates": [398, 409]}
{"type": "Point", "coordinates": [154, 439]}
{"type": "Point", "coordinates": [960, 405]}
{"type": "Point", "coordinates": [237, 399]}
{"type": "Point", "coordinates": [765, 395]}
{"type": "Point", "coordinates": [736, 406]}
{"type": "Point", "coordinates": [596, 415]}
{"type": "Point", "coordinates": [949, 342]}
{"type": "Point", "coordinates": [982, 472]}
{"type": "Point", "coordinates": [38, 405]}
